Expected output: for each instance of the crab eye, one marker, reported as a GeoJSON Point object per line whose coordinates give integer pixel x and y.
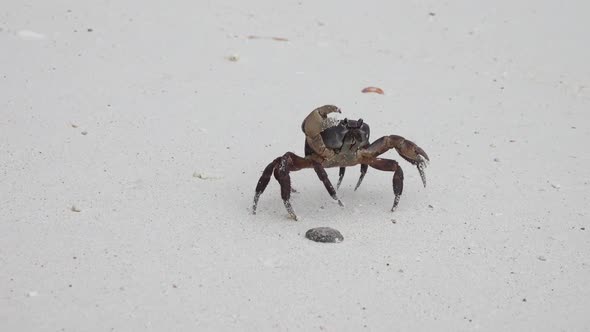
{"type": "Point", "coordinates": [345, 121]}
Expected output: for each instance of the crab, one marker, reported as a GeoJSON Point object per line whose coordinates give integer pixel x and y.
{"type": "Point", "coordinates": [340, 143]}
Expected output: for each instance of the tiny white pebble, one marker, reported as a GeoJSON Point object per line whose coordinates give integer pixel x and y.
{"type": "Point", "coordinates": [234, 58]}
{"type": "Point", "coordinates": [32, 294]}
{"type": "Point", "coordinates": [206, 176]}
{"type": "Point", "coordinates": [30, 35]}
{"type": "Point", "coordinates": [497, 160]}
{"type": "Point", "coordinates": [200, 175]}
{"type": "Point", "coordinates": [555, 185]}
{"type": "Point", "coordinates": [542, 258]}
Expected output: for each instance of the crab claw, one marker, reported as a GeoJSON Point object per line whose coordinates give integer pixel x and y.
{"type": "Point", "coordinates": [323, 111]}
{"type": "Point", "coordinates": [416, 156]}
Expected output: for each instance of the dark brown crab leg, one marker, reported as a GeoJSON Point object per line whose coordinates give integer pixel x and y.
{"type": "Point", "coordinates": [406, 148]}
{"type": "Point", "coordinates": [281, 167]}
{"type": "Point", "coordinates": [263, 182]}
{"type": "Point", "coordinates": [340, 176]}
{"type": "Point", "coordinates": [321, 172]}
{"type": "Point", "coordinates": [364, 168]}
{"type": "Point", "coordinates": [285, 182]}
{"type": "Point", "coordinates": [389, 165]}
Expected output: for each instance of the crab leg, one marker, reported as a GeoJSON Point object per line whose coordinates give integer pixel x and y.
{"type": "Point", "coordinates": [285, 181]}
{"type": "Point", "coordinates": [321, 172]}
{"type": "Point", "coordinates": [340, 176]}
{"type": "Point", "coordinates": [389, 165]}
{"type": "Point", "coordinates": [364, 168]}
{"type": "Point", "coordinates": [263, 182]}
{"type": "Point", "coordinates": [281, 167]}
{"type": "Point", "coordinates": [406, 148]}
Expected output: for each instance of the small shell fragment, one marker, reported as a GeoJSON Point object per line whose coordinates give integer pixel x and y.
{"type": "Point", "coordinates": [30, 35]}
{"type": "Point", "coordinates": [32, 294]}
{"type": "Point", "coordinates": [271, 38]}
{"type": "Point", "coordinates": [373, 90]}
{"type": "Point", "coordinates": [206, 176]}
{"type": "Point", "coordinates": [234, 58]}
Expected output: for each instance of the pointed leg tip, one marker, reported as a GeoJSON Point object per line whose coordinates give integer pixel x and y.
{"type": "Point", "coordinates": [395, 203]}
{"type": "Point", "coordinates": [290, 210]}
{"type": "Point", "coordinates": [338, 200]}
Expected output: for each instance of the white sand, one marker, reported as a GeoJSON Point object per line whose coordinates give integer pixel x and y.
{"type": "Point", "coordinates": [146, 127]}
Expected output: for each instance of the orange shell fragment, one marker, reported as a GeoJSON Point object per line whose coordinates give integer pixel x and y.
{"type": "Point", "coordinates": [373, 89]}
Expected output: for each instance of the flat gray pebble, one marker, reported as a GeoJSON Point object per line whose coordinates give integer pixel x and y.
{"type": "Point", "coordinates": [324, 234]}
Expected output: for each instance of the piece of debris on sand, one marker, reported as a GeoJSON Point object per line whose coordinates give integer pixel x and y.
{"type": "Point", "coordinates": [206, 176]}
{"type": "Point", "coordinates": [372, 89]}
{"type": "Point", "coordinates": [324, 234]}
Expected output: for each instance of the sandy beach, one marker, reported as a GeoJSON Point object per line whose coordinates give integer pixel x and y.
{"type": "Point", "coordinates": [132, 136]}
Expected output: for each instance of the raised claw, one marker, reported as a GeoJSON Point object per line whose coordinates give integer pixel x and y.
{"type": "Point", "coordinates": [415, 155]}
{"type": "Point", "coordinates": [412, 152]}
{"type": "Point", "coordinates": [312, 126]}
{"type": "Point", "coordinates": [327, 109]}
